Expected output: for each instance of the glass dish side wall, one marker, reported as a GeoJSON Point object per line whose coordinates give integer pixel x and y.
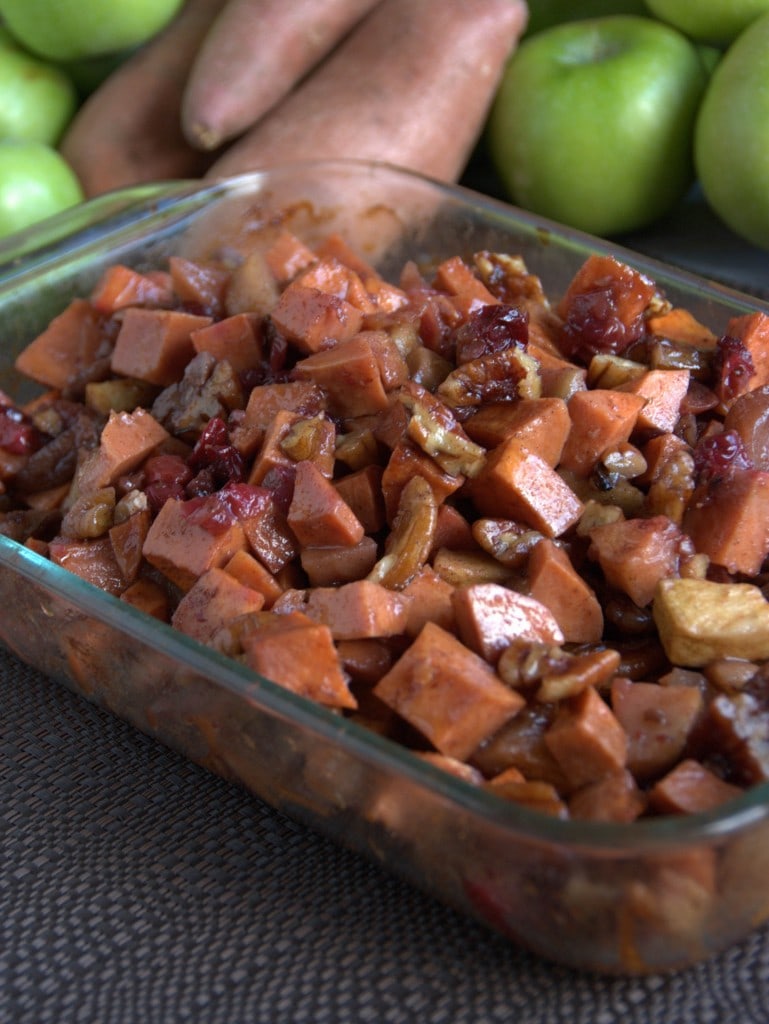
{"type": "Point", "coordinates": [614, 899]}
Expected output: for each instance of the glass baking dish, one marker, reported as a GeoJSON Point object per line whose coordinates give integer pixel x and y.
{"type": "Point", "coordinates": [656, 895]}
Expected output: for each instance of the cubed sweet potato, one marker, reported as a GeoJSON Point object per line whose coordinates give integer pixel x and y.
{"type": "Point", "coordinates": [690, 788]}
{"type": "Point", "coordinates": [586, 739]}
{"type": "Point", "coordinates": [127, 439]}
{"type": "Point", "coordinates": [730, 523]}
{"type": "Point", "coordinates": [489, 617]}
{"type": "Point", "coordinates": [214, 599]}
{"type": "Point", "coordinates": [236, 338]}
{"type": "Point", "coordinates": [318, 515]}
{"type": "Point", "coordinates": [313, 319]}
{"type": "Point", "coordinates": [542, 424]}
{"type": "Point", "coordinates": [448, 693]}
{"type": "Point", "coordinates": [555, 583]}
{"type": "Point", "coordinates": [658, 721]}
{"type": "Point", "coordinates": [635, 554]}
{"type": "Point", "coordinates": [155, 345]}
{"type": "Point", "coordinates": [265, 401]}
{"type": "Point", "coordinates": [600, 420]}
{"type": "Point", "coordinates": [358, 610]}
{"type": "Point", "coordinates": [65, 348]}
{"type": "Point", "coordinates": [663, 391]}
{"type": "Point", "coordinates": [329, 565]}
{"type": "Point", "coordinates": [302, 658]}
{"type": "Point", "coordinates": [183, 549]}
{"type": "Point", "coordinates": [516, 483]}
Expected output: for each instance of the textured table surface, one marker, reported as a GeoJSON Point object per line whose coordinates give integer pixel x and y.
{"type": "Point", "coordinates": [136, 888]}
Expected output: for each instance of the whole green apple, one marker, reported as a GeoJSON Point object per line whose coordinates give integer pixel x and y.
{"type": "Point", "coordinates": [592, 124]}
{"type": "Point", "coordinates": [35, 182]}
{"type": "Point", "coordinates": [37, 100]}
{"type": "Point", "coordinates": [709, 21]}
{"type": "Point", "coordinates": [731, 140]}
{"type": "Point", "coordinates": [546, 13]}
{"type": "Point", "coordinates": [73, 29]}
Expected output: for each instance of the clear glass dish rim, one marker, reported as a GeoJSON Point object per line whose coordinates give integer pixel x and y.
{"type": "Point", "coordinates": [37, 249]}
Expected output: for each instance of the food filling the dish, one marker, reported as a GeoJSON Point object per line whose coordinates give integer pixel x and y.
{"type": "Point", "coordinates": [523, 535]}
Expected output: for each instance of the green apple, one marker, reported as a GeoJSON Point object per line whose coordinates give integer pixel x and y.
{"type": "Point", "coordinates": [72, 29]}
{"type": "Point", "coordinates": [731, 141]}
{"type": "Point", "coordinates": [35, 182]}
{"type": "Point", "coordinates": [546, 13]}
{"type": "Point", "coordinates": [37, 100]}
{"type": "Point", "coordinates": [592, 124]}
{"type": "Point", "coordinates": [709, 21]}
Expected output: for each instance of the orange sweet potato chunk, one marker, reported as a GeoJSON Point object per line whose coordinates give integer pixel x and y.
{"type": "Point", "coordinates": [358, 610]}
{"type": "Point", "coordinates": [121, 286]}
{"type": "Point", "coordinates": [149, 597]}
{"type": "Point", "coordinates": [614, 797]}
{"type": "Point", "coordinates": [265, 401]}
{"type": "Point", "coordinates": [752, 329]}
{"type": "Point", "coordinates": [628, 291]}
{"type": "Point", "coordinates": [287, 256]}
{"type": "Point", "coordinates": [155, 345]}
{"type": "Point", "coordinates": [249, 571]}
{"type": "Point", "coordinates": [600, 420]}
{"type": "Point", "coordinates": [516, 483]}
{"type": "Point", "coordinates": [467, 291]}
{"type": "Point", "coordinates": [236, 338]}
{"type": "Point", "coordinates": [679, 324]}
{"type": "Point", "coordinates": [362, 491]}
{"type": "Point", "coordinates": [586, 739]}
{"type": "Point", "coordinates": [126, 441]}
{"type": "Point", "coordinates": [663, 391]}
{"type": "Point", "coordinates": [327, 566]}
{"type": "Point", "coordinates": [214, 599]}
{"type": "Point", "coordinates": [690, 788]}
{"type": "Point", "coordinates": [301, 658]}
{"type": "Point", "coordinates": [658, 721]}
{"type": "Point", "coordinates": [200, 283]}
{"type": "Point", "coordinates": [635, 554]}
{"type": "Point", "coordinates": [350, 376]}
{"type": "Point", "coordinates": [542, 424]}
{"type": "Point", "coordinates": [490, 616]}
{"type": "Point", "coordinates": [183, 550]}
{"type": "Point", "coordinates": [91, 560]}
{"type": "Point", "coordinates": [555, 583]}
{"type": "Point", "coordinates": [448, 693]}
{"type": "Point", "coordinates": [731, 522]}
{"type": "Point", "coordinates": [68, 345]}
{"type": "Point", "coordinates": [318, 515]}
{"type": "Point", "coordinates": [313, 319]}
{"type": "Point", "coordinates": [430, 600]}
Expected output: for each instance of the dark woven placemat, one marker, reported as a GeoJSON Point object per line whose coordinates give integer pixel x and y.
{"type": "Point", "coordinates": [137, 888]}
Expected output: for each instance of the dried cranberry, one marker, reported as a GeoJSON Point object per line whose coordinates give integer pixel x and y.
{"type": "Point", "coordinates": [166, 476]}
{"type": "Point", "coordinates": [216, 458]}
{"type": "Point", "coordinates": [718, 455]}
{"type": "Point", "coordinates": [732, 367]}
{"type": "Point", "coordinates": [217, 512]}
{"type": "Point", "coordinates": [279, 481]}
{"type": "Point", "coordinates": [245, 500]}
{"type": "Point", "coordinates": [18, 434]}
{"type": "Point", "coordinates": [492, 328]}
{"type": "Point", "coordinates": [593, 325]}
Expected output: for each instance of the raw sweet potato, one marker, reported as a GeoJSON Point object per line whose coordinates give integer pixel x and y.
{"type": "Point", "coordinates": [389, 90]}
{"type": "Point", "coordinates": [252, 56]}
{"type": "Point", "coordinates": [129, 130]}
